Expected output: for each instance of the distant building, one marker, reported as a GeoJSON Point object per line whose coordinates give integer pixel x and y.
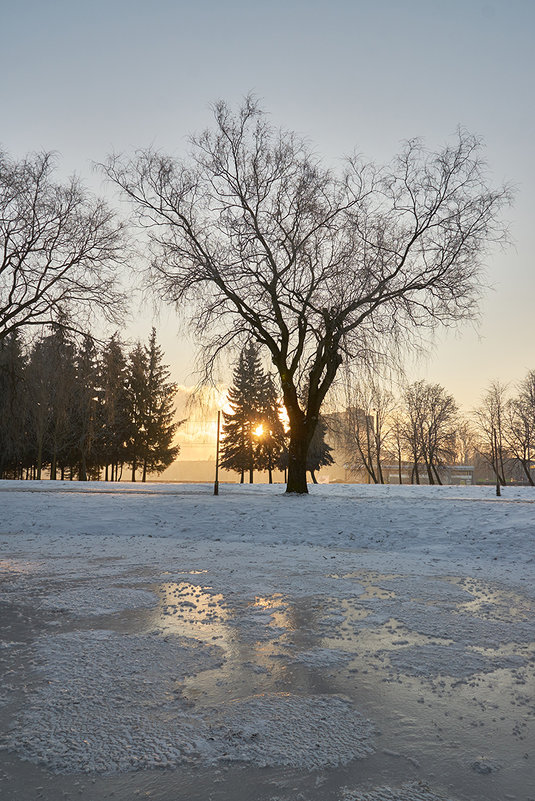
{"type": "Point", "coordinates": [449, 473]}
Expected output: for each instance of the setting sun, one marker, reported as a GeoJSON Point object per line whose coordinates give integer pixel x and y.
{"type": "Point", "coordinates": [259, 430]}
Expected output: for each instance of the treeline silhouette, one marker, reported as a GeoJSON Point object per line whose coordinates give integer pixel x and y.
{"type": "Point", "coordinates": [71, 409]}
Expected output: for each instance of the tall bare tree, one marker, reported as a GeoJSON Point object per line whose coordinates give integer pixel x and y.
{"type": "Point", "coordinates": [490, 420]}
{"type": "Point", "coordinates": [314, 264]}
{"type": "Point", "coordinates": [520, 426]}
{"type": "Point", "coordinates": [59, 248]}
{"type": "Point", "coordinates": [365, 427]}
{"type": "Point", "coordinates": [431, 419]}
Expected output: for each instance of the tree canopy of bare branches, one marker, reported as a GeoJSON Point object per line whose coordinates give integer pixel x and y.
{"type": "Point", "coordinates": [363, 431]}
{"type": "Point", "coordinates": [313, 263]}
{"type": "Point", "coordinates": [490, 420]}
{"type": "Point", "coordinates": [59, 248]}
{"type": "Point", "coordinates": [430, 427]}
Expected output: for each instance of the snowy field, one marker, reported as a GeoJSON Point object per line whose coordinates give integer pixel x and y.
{"type": "Point", "coordinates": [360, 644]}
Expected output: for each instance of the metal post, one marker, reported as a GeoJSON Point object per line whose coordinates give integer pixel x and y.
{"type": "Point", "coordinates": [216, 482]}
{"type": "Point", "coordinates": [498, 489]}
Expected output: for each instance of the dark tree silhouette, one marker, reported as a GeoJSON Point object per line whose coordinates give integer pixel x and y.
{"type": "Point", "coordinates": [240, 444]}
{"type": "Point", "coordinates": [59, 249]}
{"type": "Point", "coordinates": [315, 265]}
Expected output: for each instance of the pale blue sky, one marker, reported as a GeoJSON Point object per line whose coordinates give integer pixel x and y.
{"type": "Point", "coordinates": [87, 78]}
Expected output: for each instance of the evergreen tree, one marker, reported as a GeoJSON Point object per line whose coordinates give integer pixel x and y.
{"type": "Point", "coordinates": [150, 409]}
{"type": "Point", "coordinates": [39, 378]}
{"type": "Point", "coordinates": [240, 444]}
{"type": "Point", "coordinates": [13, 407]}
{"type": "Point", "coordinates": [86, 412]}
{"type": "Point", "coordinates": [114, 414]}
{"type": "Point", "coordinates": [59, 354]}
{"type": "Point", "coordinates": [271, 441]}
{"type": "Point", "coordinates": [159, 428]}
{"type": "Point", "coordinates": [319, 453]}
{"type": "Point", "coordinates": [136, 400]}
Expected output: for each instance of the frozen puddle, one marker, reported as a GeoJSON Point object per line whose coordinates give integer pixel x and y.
{"type": "Point", "coordinates": [407, 679]}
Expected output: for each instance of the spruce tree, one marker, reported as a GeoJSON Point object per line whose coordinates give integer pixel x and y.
{"type": "Point", "coordinates": [136, 401]}
{"type": "Point", "coordinates": [115, 422]}
{"type": "Point", "coordinates": [240, 445]}
{"type": "Point", "coordinates": [60, 355]}
{"type": "Point", "coordinates": [150, 397]}
{"type": "Point", "coordinates": [13, 407]}
{"type": "Point", "coordinates": [319, 453]}
{"type": "Point", "coordinates": [86, 417]}
{"type": "Point", "coordinates": [271, 441]}
{"type": "Point", "coordinates": [159, 428]}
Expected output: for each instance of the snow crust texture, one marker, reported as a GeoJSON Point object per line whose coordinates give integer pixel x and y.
{"type": "Point", "coordinates": [408, 792]}
{"type": "Point", "coordinates": [111, 702]}
{"type": "Point", "coordinates": [91, 600]}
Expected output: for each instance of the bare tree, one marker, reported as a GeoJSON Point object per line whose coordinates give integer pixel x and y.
{"type": "Point", "coordinates": [465, 442]}
{"type": "Point", "coordinates": [520, 425]}
{"type": "Point", "coordinates": [430, 427]}
{"type": "Point", "coordinates": [365, 427]}
{"type": "Point", "coordinates": [490, 418]}
{"type": "Point", "coordinates": [314, 264]}
{"type": "Point", "coordinates": [59, 248]}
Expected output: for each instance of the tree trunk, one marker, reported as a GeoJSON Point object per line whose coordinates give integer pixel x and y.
{"type": "Point", "coordinates": [435, 471]}
{"type": "Point", "coordinates": [144, 476]}
{"type": "Point", "coordinates": [297, 463]}
{"type": "Point", "coordinates": [250, 475]}
{"type": "Point", "coordinates": [314, 479]}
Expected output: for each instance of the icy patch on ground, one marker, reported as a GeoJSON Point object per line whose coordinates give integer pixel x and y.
{"type": "Point", "coordinates": [447, 660]}
{"type": "Point", "coordinates": [430, 621]}
{"type": "Point", "coordinates": [256, 626]}
{"type": "Point", "coordinates": [415, 791]}
{"type": "Point", "coordinates": [323, 658]}
{"type": "Point", "coordinates": [113, 702]}
{"type": "Point", "coordinates": [299, 732]}
{"type": "Point", "coordinates": [436, 590]}
{"type": "Point", "coordinates": [82, 601]}
{"type": "Point", "coordinates": [108, 702]}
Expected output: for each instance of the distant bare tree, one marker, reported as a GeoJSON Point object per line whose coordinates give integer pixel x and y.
{"type": "Point", "coordinates": [397, 443]}
{"type": "Point", "coordinates": [490, 419]}
{"type": "Point", "coordinates": [59, 248]}
{"type": "Point", "coordinates": [465, 442]}
{"type": "Point", "coordinates": [520, 425]}
{"type": "Point", "coordinates": [316, 265]}
{"type": "Point", "coordinates": [431, 423]}
{"type": "Point", "coordinates": [365, 427]}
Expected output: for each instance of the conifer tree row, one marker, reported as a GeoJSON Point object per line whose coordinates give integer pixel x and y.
{"type": "Point", "coordinates": [72, 410]}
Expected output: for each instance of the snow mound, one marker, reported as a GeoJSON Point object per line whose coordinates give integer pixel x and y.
{"type": "Point", "coordinates": [82, 601]}
{"type": "Point", "coordinates": [407, 792]}
{"type": "Point", "coordinates": [449, 660]}
{"type": "Point", "coordinates": [293, 731]}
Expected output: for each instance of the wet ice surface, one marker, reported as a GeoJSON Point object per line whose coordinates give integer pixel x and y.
{"type": "Point", "coordinates": [251, 670]}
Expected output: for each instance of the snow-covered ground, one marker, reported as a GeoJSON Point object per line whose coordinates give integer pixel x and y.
{"type": "Point", "coordinates": [360, 644]}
